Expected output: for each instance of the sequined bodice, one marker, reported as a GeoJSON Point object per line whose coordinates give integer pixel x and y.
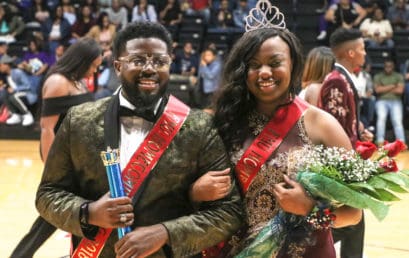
{"type": "Point", "coordinates": [260, 203]}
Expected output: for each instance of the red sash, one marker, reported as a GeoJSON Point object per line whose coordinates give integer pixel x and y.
{"type": "Point", "coordinates": [267, 141]}
{"type": "Point", "coordinates": [141, 164]}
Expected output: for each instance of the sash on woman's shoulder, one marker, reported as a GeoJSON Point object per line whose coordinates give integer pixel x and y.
{"type": "Point", "coordinates": [268, 141]}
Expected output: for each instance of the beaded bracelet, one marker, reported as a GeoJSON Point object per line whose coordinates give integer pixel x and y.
{"type": "Point", "coordinates": [321, 216]}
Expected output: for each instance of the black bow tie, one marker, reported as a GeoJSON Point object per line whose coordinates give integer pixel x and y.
{"type": "Point", "coordinates": [146, 114]}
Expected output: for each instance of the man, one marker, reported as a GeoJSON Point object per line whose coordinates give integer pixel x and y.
{"type": "Point", "coordinates": [210, 69]}
{"type": "Point", "coordinates": [389, 87]}
{"type": "Point", "coordinates": [72, 194]}
{"type": "Point", "coordinates": [339, 97]}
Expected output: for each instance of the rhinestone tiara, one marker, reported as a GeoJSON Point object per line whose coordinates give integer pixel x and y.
{"type": "Point", "coordinates": [265, 15]}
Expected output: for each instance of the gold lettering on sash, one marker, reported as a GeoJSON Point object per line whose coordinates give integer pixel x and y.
{"type": "Point", "coordinates": [168, 125]}
{"type": "Point", "coordinates": [266, 142]}
{"type": "Point", "coordinates": [88, 250]}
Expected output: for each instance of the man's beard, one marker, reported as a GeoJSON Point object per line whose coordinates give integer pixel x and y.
{"type": "Point", "coordinates": [139, 98]}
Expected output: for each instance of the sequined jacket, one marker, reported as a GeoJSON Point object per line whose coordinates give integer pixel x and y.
{"type": "Point", "coordinates": [338, 97]}
{"type": "Point", "coordinates": [74, 173]}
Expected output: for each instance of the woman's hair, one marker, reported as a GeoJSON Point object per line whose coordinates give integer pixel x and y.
{"type": "Point", "coordinates": [319, 62]}
{"type": "Point", "coordinates": [140, 30]}
{"type": "Point", "coordinates": [100, 19]}
{"type": "Point", "coordinates": [77, 59]}
{"type": "Point", "coordinates": [234, 100]}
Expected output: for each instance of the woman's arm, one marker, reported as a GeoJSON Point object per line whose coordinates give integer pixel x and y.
{"type": "Point", "coordinates": [54, 86]}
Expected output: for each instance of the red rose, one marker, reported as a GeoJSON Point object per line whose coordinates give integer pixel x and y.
{"type": "Point", "coordinates": [365, 149]}
{"type": "Point", "coordinates": [394, 148]}
{"type": "Point", "coordinates": [389, 165]}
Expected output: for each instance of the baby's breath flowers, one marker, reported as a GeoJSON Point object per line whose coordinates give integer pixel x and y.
{"type": "Point", "coordinates": [359, 178]}
{"type": "Point", "coordinates": [364, 178]}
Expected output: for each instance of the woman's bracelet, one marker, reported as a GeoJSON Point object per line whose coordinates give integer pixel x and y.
{"type": "Point", "coordinates": [321, 216]}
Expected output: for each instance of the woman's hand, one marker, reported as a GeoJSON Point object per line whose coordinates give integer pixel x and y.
{"type": "Point", "coordinates": [292, 197]}
{"type": "Point", "coordinates": [211, 186]}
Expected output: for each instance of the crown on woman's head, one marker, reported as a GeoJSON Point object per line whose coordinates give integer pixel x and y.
{"type": "Point", "coordinates": [265, 15]}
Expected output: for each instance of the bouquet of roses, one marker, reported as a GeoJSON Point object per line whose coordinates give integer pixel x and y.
{"type": "Point", "coordinates": [367, 178]}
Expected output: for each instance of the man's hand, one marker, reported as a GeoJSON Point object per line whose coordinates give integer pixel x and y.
{"type": "Point", "coordinates": [142, 242]}
{"type": "Point", "coordinates": [107, 212]}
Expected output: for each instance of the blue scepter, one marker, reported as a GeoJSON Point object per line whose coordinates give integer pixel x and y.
{"type": "Point", "coordinates": [116, 188]}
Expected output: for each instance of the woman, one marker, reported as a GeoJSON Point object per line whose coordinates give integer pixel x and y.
{"type": "Point", "coordinates": [35, 62]}
{"type": "Point", "coordinates": [62, 89]}
{"type": "Point", "coordinates": [103, 31]}
{"type": "Point", "coordinates": [11, 24]}
{"type": "Point", "coordinates": [258, 85]}
{"type": "Point", "coordinates": [55, 29]}
{"type": "Point", "coordinates": [319, 63]}
{"type": "Point", "coordinates": [144, 12]}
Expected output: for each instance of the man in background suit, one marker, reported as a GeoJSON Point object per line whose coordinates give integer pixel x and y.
{"type": "Point", "coordinates": [339, 97]}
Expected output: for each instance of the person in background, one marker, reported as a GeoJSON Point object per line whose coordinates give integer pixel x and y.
{"type": "Point", "coordinates": [108, 81]}
{"type": "Point", "coordinates": [103, 31]}
{"type": "Point", "coordinates": [19, 92]}
{"type": "Point", "coordinates": [320, 62]}
{"type": "Point", "coordinates": [210, 68]}
{"type": "Point", "coordinates": [83, 24]}
{"type": "Point", "coordinates": [55, 29]}
{"type": "Point", "coordinates": [164, 221]}
{"type": "Point", "coordinates": [144, 12]}
{"type": "Point", "coordinates": [344, 14]}
{"type": "Point", "coordinates": [240, 13]}
{"type": "Point", "coordinates": [377, 30]}
{"type": "Point", "coordinates": [198, 7]}
{"type": "Point", "coordinates": [69, 11]}
{"type": "Point", "coordinates": [171, 15]}
{"type": "Point", "coordinates": [62, 90]}
{"type": "Point", "coordinates": [365, 88]}
{"type": "Point", "coordinates": [389, 88]}
{"type": "Point", "coordinates": [58, 52]}
{"type": "Point", "coordinates": [221, 18]}
{"type": "Point", "coordinates": [3, 80]}
{"type": "Point", "coordinates": [398, 15]}
{"type": "Point", "coordinates": [11, 24]}
{"type": "Point", "coordinates": [37, 13]}
{"type": "Point", "coordinates": [35, 62]}
{"type": "Point", "coordinates": [338, 96]}
{"type": "Point", "coordinates": [186, 61]}
{"type": "Point", "coordinates": [117, 14]}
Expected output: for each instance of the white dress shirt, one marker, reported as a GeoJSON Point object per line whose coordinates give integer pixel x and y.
{"type": "Point", "coordinates": [133, 132]}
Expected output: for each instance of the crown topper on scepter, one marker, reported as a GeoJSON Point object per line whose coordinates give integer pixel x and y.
{"type": "Point", "coordinates": [110, 158]}
{"type": "Point", "coordinates": [265, 15]}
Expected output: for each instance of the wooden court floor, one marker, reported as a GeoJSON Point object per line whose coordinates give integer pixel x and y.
{"type": "Point", "coordinates": [20, 170]}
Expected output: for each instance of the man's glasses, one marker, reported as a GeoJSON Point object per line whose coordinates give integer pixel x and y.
{"type": "Point", "coordinates": [159, 62]}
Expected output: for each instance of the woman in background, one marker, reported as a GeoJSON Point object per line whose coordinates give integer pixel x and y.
{"type": "Point", "coordinates": [320, 62]}
{"type": "Point", "coordinates": [63, 88]}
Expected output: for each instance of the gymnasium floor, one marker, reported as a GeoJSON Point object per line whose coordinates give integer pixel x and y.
{"type": "Point", "coordinates": [20, 168]}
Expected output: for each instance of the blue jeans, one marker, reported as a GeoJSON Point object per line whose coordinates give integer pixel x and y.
{"type": "Point", "coordinates": [395, 110]}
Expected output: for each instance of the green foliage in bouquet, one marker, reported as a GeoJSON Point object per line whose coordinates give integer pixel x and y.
{"type": "Point", "coordinates": [357, 178]}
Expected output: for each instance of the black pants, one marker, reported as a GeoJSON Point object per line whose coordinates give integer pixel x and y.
{"type": "Point", "coordinates": [38, 234]}
{"type": "Point", "coordinates": [352, 239]}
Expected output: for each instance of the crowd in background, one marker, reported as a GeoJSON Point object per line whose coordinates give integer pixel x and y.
{"type": "Point", "coordinates": [34, 34]}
